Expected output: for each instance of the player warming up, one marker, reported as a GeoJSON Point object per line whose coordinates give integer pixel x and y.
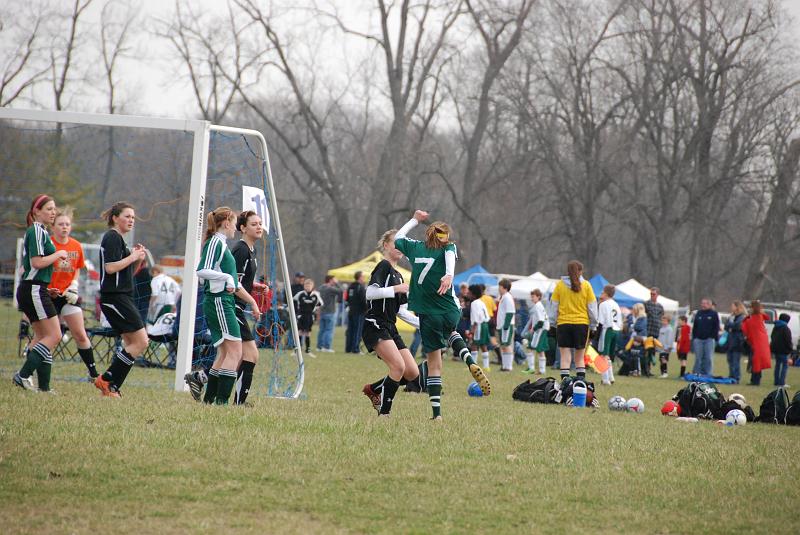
{"type": "Point", "coordinates": [38, 256]}
{"type": "Point", "coordinates": [64, 287]}
{"type": "Point", "coordinates": [387, 298]}
{"type": "Point", "coordinates": [116, 296]}
{"type": "Point", "coordinates": [431, 296]}
{"type": "Point", "coordinates": [217, 270]}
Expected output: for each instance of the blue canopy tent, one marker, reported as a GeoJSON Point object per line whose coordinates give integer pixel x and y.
{"type": "Point", "coordinates": [622, 299]}
{"type": "Point", "coordinates": [476, 274]}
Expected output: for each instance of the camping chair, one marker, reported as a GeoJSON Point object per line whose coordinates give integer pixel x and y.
{"type": "Point", "coordinates": [105, 341]}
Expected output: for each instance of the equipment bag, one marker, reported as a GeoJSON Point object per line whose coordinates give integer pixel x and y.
{"type": "Point", "coordinates": [774, 406]}
{"type": "Point", "coordinates": [701, 400]}
{"type": "Point", "coordinates": [728, 406]}
{"type": "Point", "coordinates": [793, 412]}
{"type": "Point", "coordinates": [542, 390]}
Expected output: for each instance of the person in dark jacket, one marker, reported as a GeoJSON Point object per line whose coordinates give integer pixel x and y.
{"type": "Point", "coordinates": [705, 332]}
{"type": "Point", "coordinates": [356, 308]}
{"type": "Point", "coordinates": [735, 344]}
{"type": "Point", "coordinates": [781, 347]}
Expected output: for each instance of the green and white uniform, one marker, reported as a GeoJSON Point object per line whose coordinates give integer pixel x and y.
{"type": "Point", "coordinates": [438, 314]}
{"type": "Point", "coordinates": [478, 315]}
{"type": "Point", "coordinates": [217, 269]}
{"type": "Point", "coordinates": [505, 319]}
{"type": "Point", "coordinates": [37, 243]}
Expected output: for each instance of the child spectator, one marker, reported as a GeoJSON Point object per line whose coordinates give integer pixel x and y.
{"type": "Point", "coordinates": [609, 320]}
{"type": "Point", "coordinates": [308, 304]}
{"type": "Point", "coordinates": [667, 338]}
{"type": "Point", "coordinates": [536, 328]}
{"type": "Point", "coordinates": [479, 319]}
{"type": "Point", "coordinates": [684, 342]}
{"type": "Point", "coordinates": [781, 347]}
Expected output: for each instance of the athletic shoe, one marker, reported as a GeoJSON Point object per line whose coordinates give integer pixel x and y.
{"type": "Point", "coordinates": [310, 354]}
{"type": "Point", "coordinates": [51, 392]}
{"type": "Point", "coordinates": [480, 378]}
{"type": "Point", "coordinates": [606, 383]}
{"type": "Point", "coordinates": [25, 383]}
{"type": "Point", "coordinates": [529, 371]}
{"type": "Point", "coordinates": [373, 397]}
{"type": "Point", "coordinates": [505, 369]}
{"type": "Point", "coordinates": [663, 376]}
{"type": "Point", "coordinates": [103, 385]}
{"type": "Point", "coordinates": [113, 393]}
{"type": "Point", "coordinates": [436, 419]}
{"type": "Point", "coordinates": [327, 350]}
{"type": "Point", "coordinates": [487, 369]}
{"type": "Point", "coordinates": [195, 383]}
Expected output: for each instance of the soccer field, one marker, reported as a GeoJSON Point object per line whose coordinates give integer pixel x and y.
{"type": "Point", "coordinates": [157, 462]}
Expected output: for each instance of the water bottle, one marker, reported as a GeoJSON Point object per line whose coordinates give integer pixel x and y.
{"type": "Point", "coordinates": [578, 394]}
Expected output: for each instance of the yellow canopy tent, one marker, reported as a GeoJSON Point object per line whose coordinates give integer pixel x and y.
{"type": "Point", "coordinates": [366, 265]}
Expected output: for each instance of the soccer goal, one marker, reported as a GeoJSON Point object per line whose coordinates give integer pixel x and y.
{"type": "Point", "coordinates": [172, 171]}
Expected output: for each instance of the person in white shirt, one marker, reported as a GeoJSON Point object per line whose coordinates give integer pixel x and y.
{"type": "Point", "coordinates": [479, 320]}
{"type": "Point", "coordinates": [505, 324]}
{"type": "Point", "coordinates": [609, 320]}
{"type": "Point", "coordinates": [536, 328]}
{"type": "Point", "coordinates": [164, 293]}
{"type": "Point", "coordinates": [667, 338]}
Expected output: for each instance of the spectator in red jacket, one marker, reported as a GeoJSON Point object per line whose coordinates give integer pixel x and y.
{"type": "Point", "coordinates": [756, 334]}
{"type": "Point", "coordinates": [684, 342]}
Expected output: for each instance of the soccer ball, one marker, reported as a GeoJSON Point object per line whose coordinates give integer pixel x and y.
{"type": "Point", "coordinates": [739, 399]}
{"type": "Point", "coordinates": [616, 403]}
{"type": "Point", "coordinates": [735, 417]}
{"type": "Point", "coordinates": [474, 390]}
{"type": "Point", "coordinates": [670, 408]}
{"type": "Point", "coordinates": [635, 405]}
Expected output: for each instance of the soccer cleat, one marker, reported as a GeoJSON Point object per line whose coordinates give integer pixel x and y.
{"type": "Point", "coordinates": [436, 418]}
{"type": "Point", "coordinates": [103, 385]}
{"type": "Point", "coordinates": [481, 379]}
{"type": "Point", "coordinates": [195, 382]}
{"type": "Point", "coordinates": [113, 392]}
{"type": "Point", "coordinates": [24, 382]}
{"type": "Point", "coordinates": [373, 397]}
{"type": "Point", "coordinates": [663, 376]}
{"type": "Point", "coordinates": [529, 371]}
{"type": "Point", "coordinates": [51, 392]}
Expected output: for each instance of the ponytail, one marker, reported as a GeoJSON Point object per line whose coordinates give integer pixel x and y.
{"type": "Point", "coordinates": [115, 210]}
{"type": "Point", "coordinates": [215, 219]}
{"type": "Point", "coordinates": [574, 270]}
{"type": "Point", "coordinates": [38, 202]}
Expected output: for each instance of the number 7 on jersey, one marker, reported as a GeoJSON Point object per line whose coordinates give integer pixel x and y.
{"type": "Point", "coordinates": [428, 264]}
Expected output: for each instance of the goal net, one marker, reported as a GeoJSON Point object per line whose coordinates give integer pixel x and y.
{"type": "Point", "coordinates": [173, 172]}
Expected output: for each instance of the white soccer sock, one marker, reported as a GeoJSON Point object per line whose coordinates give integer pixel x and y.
{"type": "Point", "coordinates": [508, 360]}
{"type": "Point", "coordinates": [610, 369]}
{"type": "Point", "coordinates": [529, 356]}
{"type": "Point", "coordinates": [485, 357]}
{"type": "Point", "coordinates": [542, 363]}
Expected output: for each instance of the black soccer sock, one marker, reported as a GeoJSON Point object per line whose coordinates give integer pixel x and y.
{"type": "Point", "coordinates": [435, 394]}
{"type": "Point", "coordinates": [387, 395]}
{"type": "Point", "coordinates": [422, 378]}
{"type": "Point", "coordinates": [227, 378]}
{"type": "Point", "coordinates": [683, 370]}
{"type": "Point", "coordinates": [244, 381]}
{"type": "Point", "coordinates": [580, 372]}
{"type": "Point", "coordinates": [34, 358]}
{"type": "Point", "coordinates": [663, 367]}
{"type": "Point", "coordinates": [211, 386]}
{"type": "Point", "coordinates": [377, 386]}
{"type": "Point", "coordinates": [87, 356]}
{"type": "Point", "coordinates": [496, 350]}
{"type": "Point", "coordinates": [564, 372]}
{"type": "Point", "coordinates": [308, 343]}
{"type": "Point", "coordinates": [126, 363]}
{"type": "Point", "coordinates": [456, 342]}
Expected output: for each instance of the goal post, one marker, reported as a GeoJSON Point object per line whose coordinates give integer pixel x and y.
{"type": "Point", "coordinates": [197, 197]}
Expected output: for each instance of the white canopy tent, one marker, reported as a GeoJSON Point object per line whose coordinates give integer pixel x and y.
{"type": "Point", "coordinates": [638, 290]}
{"type": "Point", "coordinates": [521, 289]}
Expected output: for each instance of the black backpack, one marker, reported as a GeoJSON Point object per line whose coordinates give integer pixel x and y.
{"type": "Point", "coordinates": [774, 407]}
{"type": "Point", "coordinates": [793, 412]}
{"type": "Point", "coordinates": [542, 390]}
{"type": "Point", "coordinates": [565, 392]}
{"type": "Point", "coordinates": [701, 400]}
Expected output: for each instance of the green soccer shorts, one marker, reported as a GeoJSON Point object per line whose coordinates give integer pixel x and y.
{"type": "Point", "coordinates": [220, 311]}
{"type": "Point", "coordinates": [435, 329]}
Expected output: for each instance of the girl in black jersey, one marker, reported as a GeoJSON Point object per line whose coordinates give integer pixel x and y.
{"type": "Point", "coordinates": [387, 298]}
{"type": "Point", "coordinates": [116, 296]}
{"type": "Point", "coordinates": [244, 252]}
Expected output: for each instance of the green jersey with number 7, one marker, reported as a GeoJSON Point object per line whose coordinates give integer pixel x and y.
{"type": "Point", "coordinates": [427, 270]}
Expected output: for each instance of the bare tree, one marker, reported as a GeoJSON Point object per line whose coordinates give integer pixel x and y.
{"type": "Point", "coordinates": [22, 65]}
{"type": "Point", "coordinates": [62, 53]}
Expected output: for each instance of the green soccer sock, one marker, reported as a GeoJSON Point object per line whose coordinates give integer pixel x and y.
{"type": "Point", "coordinates": [43, 372]}
{"type": "Point", "coordinates": [435, 394]}
{"type": "Point", "coordinates": [460, 348]}
{"type": "Point", "coordinates": [211, 386]}
{"type": "Point", "coordinates": [36, 355]}
{"type": "Point", "coordinates": [227, 379]}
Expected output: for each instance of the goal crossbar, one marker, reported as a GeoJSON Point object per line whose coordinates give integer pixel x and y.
{"type": "Point", "coordinates": [196, 214]}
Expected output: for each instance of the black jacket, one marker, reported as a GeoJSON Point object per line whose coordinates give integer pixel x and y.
{"type": "Point", "coordinates": [356, 298]}
{"type": "Point", "coordinates": [781, 343]}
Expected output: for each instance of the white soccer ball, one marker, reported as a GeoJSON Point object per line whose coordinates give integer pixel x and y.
{"type": "Point", "coordinates": [616, 403]}
{"type": "Point", "coordinates": [735, 417]}
{"type": "Point", "coordinates": [635, 405]}
{"type": "Point", "coordinates": [739, 399]}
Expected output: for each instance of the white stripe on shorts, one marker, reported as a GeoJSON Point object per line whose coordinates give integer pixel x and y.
{"type": "Point", "coordinates": [223, 324]}
{"type": "Point", "coordinates": [36, 298]}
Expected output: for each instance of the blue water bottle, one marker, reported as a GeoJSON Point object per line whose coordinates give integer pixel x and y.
{"type": "Point", "coordinates": [578, 394]}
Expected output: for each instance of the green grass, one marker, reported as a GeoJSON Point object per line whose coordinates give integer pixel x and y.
{"type": "Point", "coordinates": [157, 462]}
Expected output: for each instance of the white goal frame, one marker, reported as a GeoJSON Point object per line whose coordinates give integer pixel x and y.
{"type": "Point", "coordinates": [201, 131]}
